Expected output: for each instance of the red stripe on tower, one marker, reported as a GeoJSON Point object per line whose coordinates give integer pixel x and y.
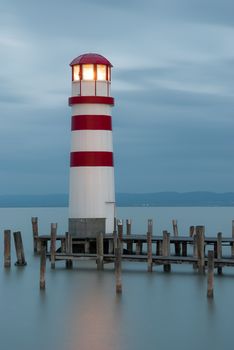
{"type": "Point", "coordinates": [91, 122]}
{"type": "Point", "coordinates": [91, 99]}
{"type": "Point", "coordinates": [78, 159]}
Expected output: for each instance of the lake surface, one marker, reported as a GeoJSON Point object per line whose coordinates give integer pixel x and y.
{"type": "Point", "coordinates": [80, 310]}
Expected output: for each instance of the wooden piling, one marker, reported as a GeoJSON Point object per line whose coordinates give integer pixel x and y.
{"type": "Point", "coordinates": [149, 251]}
{"type": "Point", "coordinates": [175, 228]}
{"type": "Point", "coordinates": [7, 248]}
{"type": "Point", "coordinates": [210, 275]}
{"type": "Point", "coordinates": [191, 231]}
{"type": "Point", "coordinates": [166, 249]}
{"type": "Point", "coordinates": [233, 238]}
{"type": "Point", "coordinates": [19, 249]}
{"type": "Point", "coordinates": [34, 221]}
{"type": "Point", "coordinates": [118, 273]}
{"type": "Point", "coordinates": [195, 250]}
{"type": "Point", "coordinates": [53, 233]}
{"type": "Point", "coordinates": [219, 251]}
{"type": "Point", "coordinates": [120, 229]}
{"type": "Point", "coordinates": [176, 234]}
{"type": "Point", "coordinates": [184, 248]}
{"type": "Point", "coordinates": [200, 231]}
{"type": "Point", "coordinates": [159, 248]}
{"type": "Point", "coordinates": [69, 262]}
{"type": "Point", "coordinates": [120, 232]}
{"type": "Point", "coordinates": [129, 231]}
{"type": "Point", "coordinates": [42, 267]}
{"type": "Point", "coordinates": [100, 251]}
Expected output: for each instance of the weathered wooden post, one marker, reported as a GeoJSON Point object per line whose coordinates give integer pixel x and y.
{"type": "Point", "coordinates": [195, 250]}
{"type": "Point", "coordinates": [210, 275]}
{"type": "Point", "coordinates": [7, 248]}
{"type": "Point", "coordinates": [219, 250]}
{"type": "Point", "coordinates": [233, 238]}
{"type": "Point", "coordinates": [200, 230]}
{"type": "Point", "coordinates": [42, 267]}
{"type": "Point", "coordinates": [120, 232]}
{"type": "Point", "coordinates": [184, 248]}
{"type": "Point", "coordinates": [176, 234]}
{"type": "Point", "coordinates": [100, 251]}
{"type": "Point", "coordinates": [149, 246]}
{"type": "Point", "coordinates": [35, 233]}
{"type": "Point", "coordinates": [19, 249]}
{"type": "Point", "coordinates": [159, 247]}
{"type": "Point", "coordinates": [175, 228]}
{"type": "Point", "coordinates": [191, 231]}
{"type": "Point", "coordinates": [129, 231]}
{"type": "Point", "coordinates": [118, 273]}
{"type": "Point", "coordinates": [53, 233]}
{"type": "Point", "coordinates": [166, 249]}
{"type": "Point", "coordinates": [69, 262]}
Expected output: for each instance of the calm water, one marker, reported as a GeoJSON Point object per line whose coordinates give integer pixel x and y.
{"type": "Point", "coordinates": [79, 309]}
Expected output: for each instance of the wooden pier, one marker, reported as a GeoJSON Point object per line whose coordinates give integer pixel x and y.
{"type": "Point", "coordinates": [202, 252]}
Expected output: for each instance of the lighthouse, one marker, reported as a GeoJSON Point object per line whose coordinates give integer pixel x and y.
{"type": "Point", "coordinates": [91, 188]}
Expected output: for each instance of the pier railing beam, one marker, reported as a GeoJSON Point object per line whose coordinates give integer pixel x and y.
{"type": "Point", "coordinates": [210, 275]}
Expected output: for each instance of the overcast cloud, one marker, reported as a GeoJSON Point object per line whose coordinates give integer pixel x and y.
{"type": "Point", "coordinates": [173, 81]}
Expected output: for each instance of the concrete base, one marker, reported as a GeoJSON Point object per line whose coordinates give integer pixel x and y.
{"type": "Point", "coordinates": [87, 227]}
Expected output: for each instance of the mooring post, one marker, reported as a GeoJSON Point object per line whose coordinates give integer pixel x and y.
{"type": "Point", "coordinates": [69, 262]}
{"type": "Point", "coordinates": [120, 232]}
{"type": "Point", "coordinates": [149, 251]}
{"type": "Point", "coordinates": [175, 228]}
{"type": "Point", "coordinates": [195, 250]}
{"type": "Point", "coordinates": [191, 231]}
{"type": "Point", "coordinates": [53, 233]}
{"type": "Point", "coordinates": [219, 250]}
{"type": "Point", "coordinates": [200, 230]}
{"type": "Point", "coordinates": [210, 275]}
{"type": "Point", "coordinates": [35, 233]}
{"type": "Point", "coordinates": [63, 245]}
{"type": "Point", "coordinates": [42, 267]}
{"type": "Point", "coordinates": [118, 265]}
{"type": "Point", "coordinates": [184, 248]}
{"type": "Point", "coordinates": [100, 251]}
{"type": "Point", "coordinates": [176, 234]}
{"type": "Point", "coordinates": [166, 249]}
{"type": "Point", "coordinates": [233, 238]}
{"type": "Point", "coordinates": [19, 249]}
{"type": "Point", "coordinates": [129, 231]}
{"type": "Point", "coordinates": [7, 248]}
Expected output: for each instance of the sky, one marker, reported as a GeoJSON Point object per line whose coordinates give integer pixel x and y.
{"type": "Point", "coordinates": [172, 80]}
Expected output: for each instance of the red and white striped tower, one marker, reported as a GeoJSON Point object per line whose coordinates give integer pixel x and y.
{"type": "Point", "coordinates": [91, 194]}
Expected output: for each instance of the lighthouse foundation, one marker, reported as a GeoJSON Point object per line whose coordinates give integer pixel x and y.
{"type": "Point", "coordinates": [86, 227]}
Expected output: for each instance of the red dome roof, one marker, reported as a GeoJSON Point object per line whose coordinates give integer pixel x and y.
{"type": "Point", "coordinates": [90, 58]}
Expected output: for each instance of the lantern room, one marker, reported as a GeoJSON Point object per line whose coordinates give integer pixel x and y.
{"type": "Point", "coordinates": [91, 75]}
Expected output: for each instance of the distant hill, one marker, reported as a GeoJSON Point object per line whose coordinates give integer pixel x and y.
{"type": "Point", "coordinates": [158, 199]}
